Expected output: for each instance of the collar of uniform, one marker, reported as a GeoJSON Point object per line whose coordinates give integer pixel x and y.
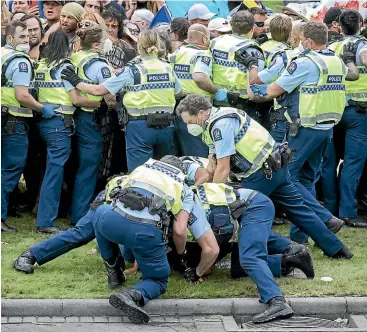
{"type": "Point", "coordinates": [149, 57]}
{"type": "Point", "coordinates": [193, 46]}
{"type": "Point", "coordinates": [9, 47]}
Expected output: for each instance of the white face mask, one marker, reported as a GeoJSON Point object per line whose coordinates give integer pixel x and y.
{"type": "Point", "coordinates": [107, 46]}
{"type": "Point", "coordinates": [25, 48]}
{"type": "Point", "coordinates": [300, 47]}
{"type": "Point", "coordinates": [194, 129]}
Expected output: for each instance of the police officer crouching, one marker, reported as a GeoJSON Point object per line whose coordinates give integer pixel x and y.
{"type": "Point", "coordinates": [16, 107]}
{"type": "Point", "coordinates": [149, 90]}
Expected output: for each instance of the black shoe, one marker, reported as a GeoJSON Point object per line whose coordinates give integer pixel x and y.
{"type": "Point", "coordinates": [115, 273]}
{"type": "Point", "coordinates": [49, 230]}
{"type": "Point", "coordinates": [278, 309]}
{"type": "Point", "coordinates": [25, 262]}
{"type": "Point", "coordinates": [130, 302]}
{"type": "Point", "coordinates": [280, 221]}
{"type": "Point", "coordinates": [297, 256]}
{"type": "Point", "coordinates": [343, 253]}
{"type": "Point", "coordinates": [355, 222]}
{"type": "Point", "coordinates": [334, 224]}
{"type": "Point", "coordinates": [6, 228]}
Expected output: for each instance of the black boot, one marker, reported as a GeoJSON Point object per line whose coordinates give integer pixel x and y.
{"type": "Point", "coordinates": [25, 262]}
{"type": "Point", "coordinates": [278, 309]}
{"type": "Point", "coordinates": [355, 222]}
{"type": "Point", "coordinates": [343, 253]}
{"type": "Point", "coordinates": [334, 224]}
{"type": "Point", "coordinates": [115, 273]}
{"type": "Point", "coordinates": [6, 228]}
{"type": "Point", "coordinates": [297, 256]}
{"type": "Point", "coordinates": [130, 302]}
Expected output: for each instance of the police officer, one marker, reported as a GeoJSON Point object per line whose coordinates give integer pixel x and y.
{"type": "Point", "coordinates": [138, 219]}
{"type": "Point", "coordinates": [16, 107]}
{"type": "Point", "coordinates": [243, 146]}
{"type": "Point", "coordinates": [192, 64]}
{"type": "Point", "coordinates": [317, 71]}
{"type": "Point", "coordinates": [93, 68]}
{"type": "Point", "coordinates": [149, 97]}
{"type": "Point", "coordinates": [227, 72]}
{"type": "Point", "coordinates": [354, 120]}
{"type": "Point", "coordinates": [56, 131]}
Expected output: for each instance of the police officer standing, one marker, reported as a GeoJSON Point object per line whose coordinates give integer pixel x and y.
{"type": "Point", "coordinates": [16, 107]}
{"type": "Point", "coordinates": [354, 120]}
{"type": "Point", "coordinates": [192, 64]}
{"type": "Point", "coordinates": [227, 72]}
{"type": "Point", "coordinates": [149, 97]}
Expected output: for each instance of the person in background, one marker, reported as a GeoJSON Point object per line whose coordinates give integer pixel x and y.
{"type": "Point", "coordinates": [36, 34]}
{"type": "Point", "coordinates": [260, 16]}
{"type": "Point", "coordinates": [20, 5]}
{"type": "Point", "coordinates": [122, 52]}
{"type": "Point", "coordinates": [331, 19]}
{"type": "Point", "coordinates": [200, 14]}
{"type": "Point", "coordinates": [113, 5]}
{"type": "Point", "coordinates": [52, 11]}
{"type": "Point", "coordinates": [295, 38]}
{"type": "Point", "coordinates": [92, 6]}
{"type": "Point", "coordinates": [17, 16]}
{"type": "Point", "coordinates": [71, 15]}
{"type": "Point", "coordinates": [219, 26]}
{"type": "Point", "coordinates": [142, 18]}
{"type": "Point", "coordinates": [179, 28]}
{"type": "Point", "coordinates": [151, 5]}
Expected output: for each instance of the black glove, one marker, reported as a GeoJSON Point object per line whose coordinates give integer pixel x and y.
{"type": "Point", "coordinates": [190, 275]}
{"type": "Point", "coordinates": [245, 59]}
{"type": "Point", "coordinates": [68, 74]}
{"type": "Point", "coordinates": [349, 53]}
{"type": "Point", "coordinates": [262, 38]}
{"type": "Point", "coordinates": [182, 262]}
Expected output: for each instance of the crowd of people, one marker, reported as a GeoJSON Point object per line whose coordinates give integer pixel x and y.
{"type": "Point", "coordinates": [176, 142]}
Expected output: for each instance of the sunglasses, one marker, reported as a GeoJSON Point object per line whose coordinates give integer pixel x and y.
{"type": "Point", "coordinates": [86, 24]}
{"type": "Point", "coordinates": [260, 24]}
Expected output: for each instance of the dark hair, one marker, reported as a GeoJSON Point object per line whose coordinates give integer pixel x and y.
{"type": "Point", "coordinates": [349, 22]}
{"type": "Point", "coordinates": [173, 161]}
{"type": "Point", "coordinates": [83, 2]}
{"type": "Point", "coordinates": [192, 104]}
{"type": "Point", "coordinates": [12, 26]}
{"type": "Point", "coordinates": [113, 15]}
{"type": "Point", "coordinates": [242, 22]}
{"type": "Point", "coordinates": [316, 31]}
{"type": "Point", "coordinates": [17, 12]}
{"type": "Point", "coordinates": [257, 10]}
{"type": "Point", "coordinates": [30, 16]}
{"type": "Point", "coordinates": [89, 35]}
{"type": "Point", "coordinates": [57, 47]}
{"type": "Point", "coordinates": [180, 26]}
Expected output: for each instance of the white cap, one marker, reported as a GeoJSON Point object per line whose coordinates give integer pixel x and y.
{"type": "Point", "coordinates": [199, 11]}
{"type": "Point", "coordinates": [294, 8]}
{"type": "Point", "coordinates": [142, 15]}
{"type": "Point", "coordinates": [219, 24]}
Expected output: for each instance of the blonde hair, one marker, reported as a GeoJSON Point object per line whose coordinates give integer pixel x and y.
{"type": "Point", "coordinates": [95, 17]}
{"type": "Point", "coordinates": [149, 43]}
{"type": "Point", "coordinates": [280, 27]}
{"type": "Point", "coordinates": [89, 34]}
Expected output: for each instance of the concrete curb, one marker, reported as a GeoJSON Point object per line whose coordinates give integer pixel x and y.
{"type": "Point", "coordinates": [237, 307]}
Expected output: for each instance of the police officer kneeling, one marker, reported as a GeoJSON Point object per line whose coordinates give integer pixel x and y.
{"type": "Point", "coordinates": [139, 219]}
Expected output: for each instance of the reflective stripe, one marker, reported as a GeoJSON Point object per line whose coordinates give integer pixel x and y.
{"type": "Point", "coordinates": [39, 84]}
{"type": "Point", "coordinates": [182, 76]}
{"type": "Point", "coordinates": [243, 131]}
{"type": "Point", "coordinates": [69, 110]}
{"type": "Point", "coordinates": [149, 110]}
{"type": "Point", "coordinates": [230, 64]}
{"type": "Point", "coordinates": [262, 154]}
{"type": "Point", "coordinates": [164, 171]}
{"type": "Point", "coordinates": [142, 87]}
{"type": "Point", "coordinates": [241, 45]}
{"type": "Point", "coordinates": [202, 194]}
{"type": "Point", "coordinates": [146, 186]}
{"type": "Point", "coordinates": [124, 214]}
{"type": "Point", "coordinates": [229, 197]}
{"type": "Point", "coordinates": [20, 110]}
{"type": "Point", "coordinates": [242, 92]}
{"type": "Point", "coordinates": [90, 82]}
{"type": "Point", "coordinates": [327, 87]}
{"type": "Point", "coordinates": [358, 95]}
{"type": "Point", "coordinates": [321, 118]}
{"type": "Point", "coordinates": [362, 70]}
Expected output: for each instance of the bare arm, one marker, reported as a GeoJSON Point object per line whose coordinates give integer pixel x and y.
{"type": "Point", "coordinates": [204, 82]}
{"type": "Point", "coordinates": [209, 252]}
{"type": "Point", "coordinates": [180, 231]}
{"type": "Point", "coordinates": [353, 72]}
{"type": "Point", "coordinates": [25, 98]}
{"type": "Point", "coordinates": [81, 101]}
{"type": "Point", "coordinates": [212, 165]}
{"type": "Point", "coordinates": [202, 176]}
{"type": "Point", "coordinates": [222, 171]}
{"type": "Point", "coordinates": [253, 76]}
{"type": "Point", "coordinates": [95, 90]}
{"type": "Point", "coordinates": [363, 58]}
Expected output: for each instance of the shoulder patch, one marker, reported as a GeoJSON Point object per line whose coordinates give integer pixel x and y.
{"type": "Point", "coordinates": [217, 135]}
{"type": "Point", "coordinates": [292, 67]}
{"type": "Point", "coordinates": [23, 67]}
{"type": "Point", "coordinates": [205, 59]}
{"type": "Point", "coordinates": [106, 73]}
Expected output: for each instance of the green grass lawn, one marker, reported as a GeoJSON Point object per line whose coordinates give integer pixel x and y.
{"type": "Point", "coordinates": [80, 275]}
{"type": "Point", "coordinates": [272, 3]}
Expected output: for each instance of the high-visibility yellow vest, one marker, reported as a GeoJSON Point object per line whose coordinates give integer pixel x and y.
{"type": "Point", "coordinates": [188, 160]}
{"type": "Point", "coordinates": [217, 194]}
{"type": "Point", "coordinates": [50, 89]}
{"type": "Point", "coordinates": [161, 179]}
{"type": "Point", "coordinates": [227, 72]}
{"type": "Point", "coordinates": [183, 62]}
{"type": "Point", "coordinates": [324, 101]}
{"type": "Point", "coordinates": [271, 48]}
{"type": "Point", "coordinates": [252, 141]}
{"type": "Point", "coordinates": [355, 90]}
{"type": "Point", "coordinates": [7, 91]}
{"type": "Point", "coordinates": [154, 90]}
{"type": "Point", "coordinates": [82, 60]}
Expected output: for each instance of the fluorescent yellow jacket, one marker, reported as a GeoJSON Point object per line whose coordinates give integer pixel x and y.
{"type": "Point", "coordinates": [153, 91]}
{"type": "Point", "coordinates": [271, 48]}
{"type": "Point", "coordinates": [183, 63]}
{"type": "Point", "coordinates": [7, 92]}
{"type": "Point", "coordinates": [252, 141]}
{"type": "Point", "coordinates": [355, 90]}
{"type": "Point", "coordinates": [50, 89]}
{"type": "Point", "coordinates": [227, 72]}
